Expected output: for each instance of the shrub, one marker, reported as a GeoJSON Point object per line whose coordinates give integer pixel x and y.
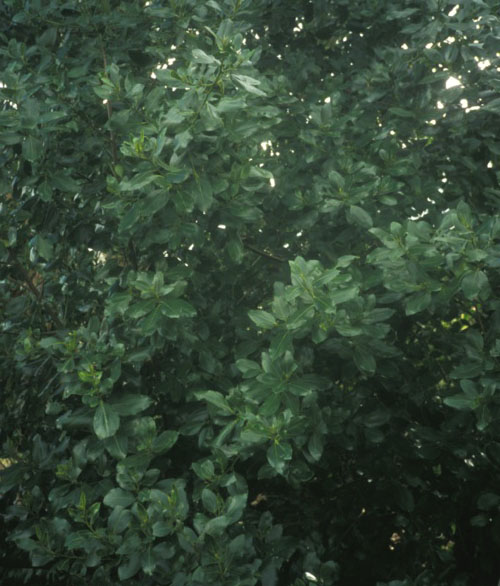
{"type": "Point", "coordinates": [249, 285]}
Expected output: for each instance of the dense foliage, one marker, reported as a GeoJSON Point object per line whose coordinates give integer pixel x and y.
{"type": "Point", "coordinates": [250, 292]}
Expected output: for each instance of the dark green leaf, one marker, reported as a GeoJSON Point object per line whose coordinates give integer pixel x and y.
{"type": "Point", "coordinates": [461, 402]}
{"type": "Point", "coordinates": [175, 308]}
{"type": "Point", "coordinates": [360, 216]}
{"type": "Point", "coordinates": [130, 567]}
{"type": "Point", "coordinates": [262, 319]}
{"type": "Point", "coordinates": [117, 497]}
{"type": "Point", "coordinates": [209, 500]}
{"type": "Point", "coordinates": [32, 149]}
{"type": "Point", "coordinates": [278, 454]}
{"type": "Point", "coordinates": [214, 398]}
{"type": "Point", "coordinates": [417, 302]}
{"type": "Point", "coordinates": [364, 360]}
{"type": "Point", "coordinates": [129, 403]}
{"type": "Point", "coordinates": [473, 283]}
{"type": "Point", "coordinates": [164, 441]}
{"type": "Point", "coordinates": [106, 421]}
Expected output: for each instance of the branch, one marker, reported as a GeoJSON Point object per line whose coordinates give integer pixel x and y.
{"type": "Point", "coordinates": [263, 253]}
{"type": "Point", "coordinates": [28, 283]}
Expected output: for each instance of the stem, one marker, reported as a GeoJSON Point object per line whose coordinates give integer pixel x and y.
{"type": "Point", "coordinates": [264, 253]}
{"type": "Point", "coordinates": [207, 95]}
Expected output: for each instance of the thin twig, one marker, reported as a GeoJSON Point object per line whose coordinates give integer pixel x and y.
{"type": "Point", "coordinates": [28, 283]}
{"type": "Point", "coordinates": [264, 253]}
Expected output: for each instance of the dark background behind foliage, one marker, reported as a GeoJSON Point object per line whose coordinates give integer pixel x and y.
{"type": "Point", "coordinates": [249, 257]}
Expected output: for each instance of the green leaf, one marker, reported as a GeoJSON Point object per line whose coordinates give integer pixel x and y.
{"type": "Point", "coordinates": [230, 104]}
{"type": "Point", "coordinates": [141, 308]}
{"type": "Point", "coordinates": [270, 405]}
{"type": "Point", "coordinates": [152, 322]}
{"type": "Point", "coordinates": [203, 194]}
{"type": "Point", "coordinates": [342, 295]}
{"type": "Point", "coordinates": [164, 442]}
{"type": "Point", "coordinates": [487, 501]}
{"type": "Point", "coordinates": [119, 519]}
{"type": "Point", "coordinates": [117, 497]}
{"type": "Point", "coordinates": [129, 403]}
{"type": "Point", "coordinates": [216, 527]}
{"type": "Point", "coordinates": [235, 506]}
{"type": "Point", "coordinates": [473, 283]}
{"type": "Point", "coordinates": [44, 247]}
{"type": "Point", "coordinates": [214, 398]}
{"type": "Point", "coordinates": [138, 181]}
{"type": "Point", "coordinates": [204, 470]}
{"type": "Point", "coordinates": [129, 219]}
{"type": "Point", "coordinates": [467, 370]}
{"type": "Point", "coordinates": [249, 368]}
{"type": "Point", "coordinates": [360, 217]}
{"type": "Point", "coordinates": [281, 343]}
{"type": "Point", "coordinates": [64, 183]}
{"type": "Point", "coordinates": [182, 140]}
{"type": "Point", "coordinates": [377, 418]}
{"type": "Point", "coordinates": [460, 402]}
{"type": "Point", "coordinates": [401, 112]}
{"type": "Point", "coordinates": [364, 360]}
{"type": "Point", "coordinates": [235, 250]}
{"type": "Point", "coordinates": [106, 421]}
{"type": "Point", "coordinates": [493, 105]}
{"type": "Point", "coordinates": [262, 319]}
{"type": "Point", "coordinates": [200, 56]}
{"type": "Point", "coordinates": [278, 454]}
{"type": "Point", "coordinates": [481, 520]}
{"type": "Point", "coordinates": [130, 567]}
{"type": "Point", "coordinates": [117, 446]}
{"type": "Point", "coordinates": [40, 557]}
{"type": "Point", "coordinates": [148, 562]}
{"type": "Point", "coordinates": [417, 302]}
{"type": "Point", "coordinates": [176, 308]}
{"type": "Point", "coordinates": [209, 500]}
{"type": "Point", "coordinates": [348, 330]}
{"type": "Point", "coordinates": [118, 303]}
{"type": "Point", "coordinates": [315, 446]}
{"type": "Point", "coordinates": [32, 149]}
{"type": "Point", "coordinates": [469, 388]}
{"type": "Point", "coordinates": [249, 84]}
{"type": "Point", "coordinates": [162, 528]}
